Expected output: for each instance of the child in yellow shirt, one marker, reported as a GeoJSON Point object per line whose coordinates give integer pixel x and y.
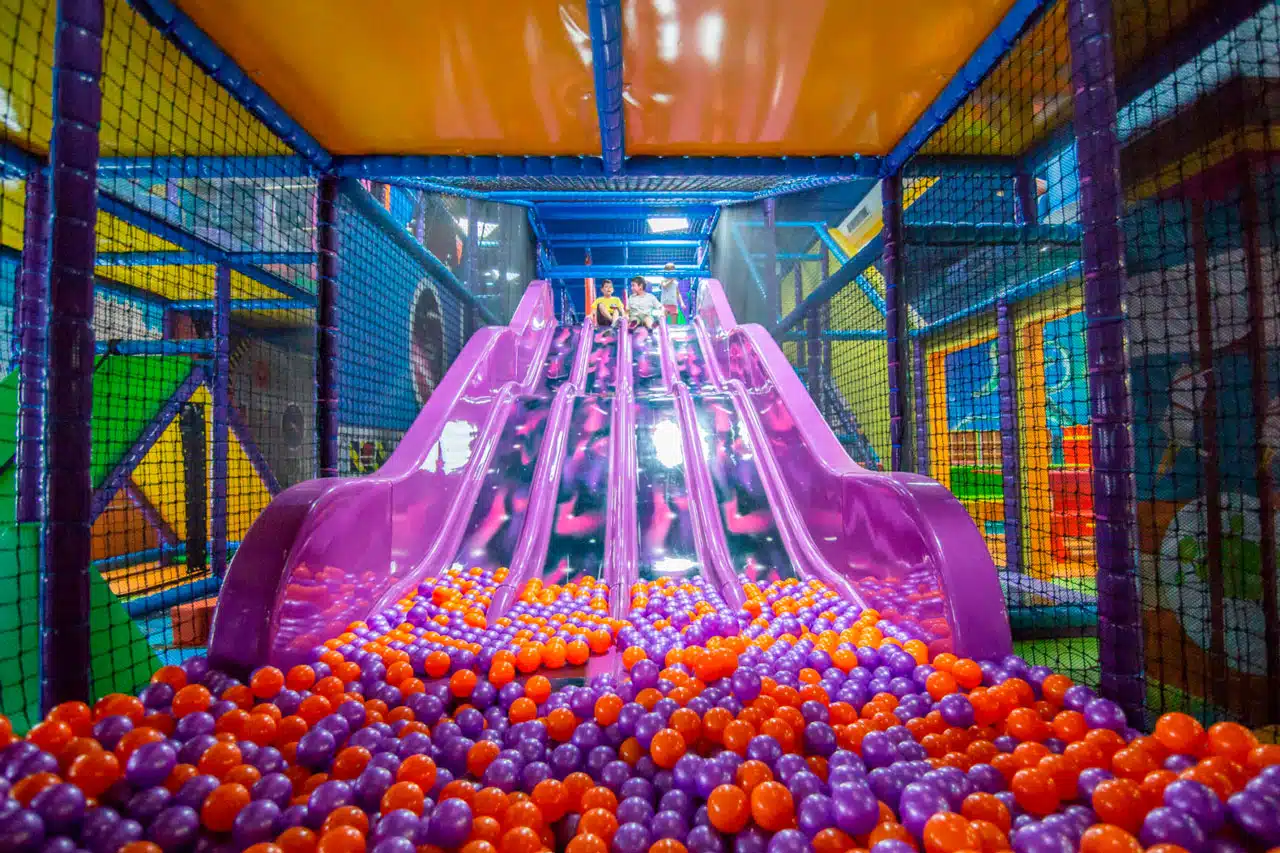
{"type": "Point", "coordinates": [607, 308]}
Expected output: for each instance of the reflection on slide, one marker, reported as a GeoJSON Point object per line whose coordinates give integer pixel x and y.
{"type": "Point", "coordinates": [667, 546]}
{"type": "Point", "coordinates": [687, 354]}
{"type": "Point", "coordinates": [498, 515]}
{"type": "Point", "coordinates": [646, 378]}
{"type": "Point", "coordinates": [754, 542]}
{"type": "Point", "coordinates": [602, 368]}
{"type": "Point", "coordinates": [577, 532]}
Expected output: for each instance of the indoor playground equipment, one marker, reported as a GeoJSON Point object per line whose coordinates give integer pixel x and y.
{"type": "Point", "coordinates": [940, 517]}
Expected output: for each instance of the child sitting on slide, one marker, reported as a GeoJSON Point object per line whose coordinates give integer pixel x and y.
{"type": "Point", "coordinates": [607, 308]}
{"type": "Point", "coordinates": [642, 308]}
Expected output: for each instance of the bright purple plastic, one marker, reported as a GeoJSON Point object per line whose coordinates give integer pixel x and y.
{"type": "Point", "coordinates": [328, 552]}
{"type": "Point", "coordinates": [895, 537]}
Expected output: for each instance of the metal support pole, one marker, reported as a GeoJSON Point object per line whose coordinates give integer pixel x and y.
{"type": "Point", "coordinates": [813, 365]}
{"type": "Point", "coordinates": [1250, 222]}
{"type": "Point", "coordinates": [800, 351]}
{"type": "Point", "coordinates": [891, 188]}
{"type": "Point", "coordinates": [824, 370]}
{"type": "Point", "coordinates": [1024, 185]}
{"type": "Point", "coordinates": [73, 157]}
{"type": "Point", "coordinates": [922, 407]}
{"type": "Point", "coordinates": [327, 325]}
{"type": "Point", "coordinates": [772, 286]}
{"type": "Point", "coordinates": [1007, 379]}
{"type": "Point", "coordinates": [1209, 454]}
{"type": "Point", "coordinates": [1111, 414]}
{"type": "Point", "coordinates": [470, 252]}
{"type": "Point", "coordinates": [31, 327]}
{"type": "Point", "coordinates": [221, 380]}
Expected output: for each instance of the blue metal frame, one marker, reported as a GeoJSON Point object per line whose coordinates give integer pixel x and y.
{"type": "Point", "coordinates": [626, 209]}
{"type": "Point", "coordinates": [183, 346]}
{"type": "Point", "coordinates": [615, 241]}
{"type": "Point", "coordinates": [849, 271]}
{"type": "Point", "coordinates": [198, 246]}
{"type": "Point", "coordinates": [386, 167]}
{"type": "Point", "coordinates": [736, 234]}
{"type": "Point", "coordinates": [213, 60]}
{"type": "Point", "coordinates": [238, 305]}
{"type": "Point", "coordinates": [991, 51]}
{"type": "Point", "coordinates": [622, 271]}
{"type": "Point", "coordinates": [1026, 290]}
{"type": "Point", "coordinates": [188, 259]}
{"type": "Point", "coordinates": [604, 18]}
{"type": "Point", "coordinates": [207, 167]}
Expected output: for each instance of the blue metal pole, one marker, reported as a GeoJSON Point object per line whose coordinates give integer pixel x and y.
{"type": "Point", "coordinates": [327, 325]}
{"type": "Point", "coordinates": [220, 378]}
{"type": "Point", "coordinates": [891, 188]}
{"type": "Point", "coordinates": [773, 287]}
{"type": "Point", "coordinates": [64, 588]}
{"type": "Point", "coordinates": [1009, 462]}
{"type": "Point", "coordinates": [1111, 413]}
{"type": "Point", "coordinates": [31, 327]}
{"type": "Point", "coordinates": [604, 18]}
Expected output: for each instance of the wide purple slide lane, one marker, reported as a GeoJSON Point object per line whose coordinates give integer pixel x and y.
{"type": "Point", "coordinates": [902, 541]}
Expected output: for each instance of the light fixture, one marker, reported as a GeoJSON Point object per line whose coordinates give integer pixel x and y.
{"type": "Point", "coordinates": [667, 224]}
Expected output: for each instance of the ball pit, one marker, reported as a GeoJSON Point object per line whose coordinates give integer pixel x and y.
{"type": "Point", "coordinates": [801, 723]}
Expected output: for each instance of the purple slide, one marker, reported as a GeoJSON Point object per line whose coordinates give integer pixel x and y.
{"type": "Point", "coordinates": [328, 552]}
{"type": "Point", "coordinates": [900, 543]}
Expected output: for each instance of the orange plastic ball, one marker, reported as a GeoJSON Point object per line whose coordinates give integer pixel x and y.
{"type": "Point", "coordinates": [667, 747]}
{"type": "Point", "coordinates": [219, 810]}
{"type": "Point", "coordinates": [1035, 791]}
{"type": "Point", "coordinates": [728, 808]}
{"type": "Point", "coordinates": [948, 833]}
{"type": "Point", "coordinates": [772, 806]}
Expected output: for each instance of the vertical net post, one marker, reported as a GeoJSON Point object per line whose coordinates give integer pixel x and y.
{"type": "Point", "coordinates": [922, 403]}
{"type": "Point", "coordinates": [1255, 298]}
{"type": "Point", "coordinates": [813, 356]}
{"type": "Point", "coordinates": [824, 326]}
{"type": "Point", "coordinates": [891, 189]}
{"type": "Point", "coordinates": [220, 382]}
{"type": "Point", "coordinates": [73, 159]}
{"type": "Point", "coordinates": [1024, 187]}
{"type": "Point", "coordinates": [1007, 379]}
{"type": "Point", "coordinates": [471, 252]}
{"type": "Point", "coordinates": [801, 351]}
{"type": "Point", "coordinates": [327, 324]}
{"type": "Point", "coordinates": [1089, 24]}
{"type": "Point", "coordinates": [32, 319]}
{"type": "Point", "coordinates": [772, 286]}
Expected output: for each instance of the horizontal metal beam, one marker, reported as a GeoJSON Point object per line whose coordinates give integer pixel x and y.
{"type": "Point", "coordinates": [388, 167]}
{"type": "Point", "coordinates": [158, 227]}
{"type": "Point", "coordinates": [989, 234]}
{"type": "Point", "coordinates": [848, 273]}
{"type": "Point", "coordinates": [165, 16]}
{"type": "Point", "coordinates": [550, 211]}
{"type": "Point", "coordinates": [381, 218]}
{"type": "Point", "coordinates": [615, 196]}
{"type": "Point", "coordinates": [209, 168]}
{"type": "Point", "coordinates": [964, 81]}
{"type": "Point", "coordinates": [613, 241]}
{"type": "Point", "coordinates": [186, 346]}
{"type": "Point", "coordinates": [1026, 290]}
{"type": "Point", "coordinates": [190, 259]}
{"type": "Point", "coordinates": [840, 335]}
{"type": "Point", "coordinates": [598, 271]}
{"type": "Point", "coordinates": [240, 305]}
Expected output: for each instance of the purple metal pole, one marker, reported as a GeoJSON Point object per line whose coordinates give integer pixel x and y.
{"type": "Point", "coordinates": [1101, 205]}
{"type": "Point", "coordinates": [1250, 222]}
{"type": "Point", "coordinates": [1009, 439]}
{"type": "Point", "coordinates": [801, 351]}
{"type": "Point", "coordinates": [1209, 455]}
{"type": "Point", "coordinates": [772, 285]}
{"type": "Point", "coordinates": [824, 370]}
{"type": "Point", "coordinates": [32, 321]}
{"type": "Point", "coordinates": [1024, 185]}
{"type": "Point", "coordinates": [327, 325]}
{"type": "Point", "coordinates": [922, 407]}
{"type": "Point", "coordinates": [221, 381]}
{"type": "Point", "coordinates": [73, 158]}
{"type": "Point", "coordinates": [813, 364]}
{"type": "Point", "coordinates": [891, 190]}
{"type": "Point", "coordinates": [471, 265]}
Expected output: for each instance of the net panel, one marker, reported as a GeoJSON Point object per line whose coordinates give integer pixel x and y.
{"type": "Point", "coordinates": [24, 232]}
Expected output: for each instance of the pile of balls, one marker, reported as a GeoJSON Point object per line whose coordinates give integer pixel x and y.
{"type": "Point", "coordinates": [802, 724]}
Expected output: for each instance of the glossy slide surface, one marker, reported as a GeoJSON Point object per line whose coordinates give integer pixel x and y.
{"type": "Point", "coordinates": [899, 542]}
{"type": "Point", "coordinates": [623, 455]}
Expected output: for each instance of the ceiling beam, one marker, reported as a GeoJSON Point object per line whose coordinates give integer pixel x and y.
{"type": "Point", "coordinates": [604, 18]}
{"type": "Point", "coordinates": [457, 166]}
